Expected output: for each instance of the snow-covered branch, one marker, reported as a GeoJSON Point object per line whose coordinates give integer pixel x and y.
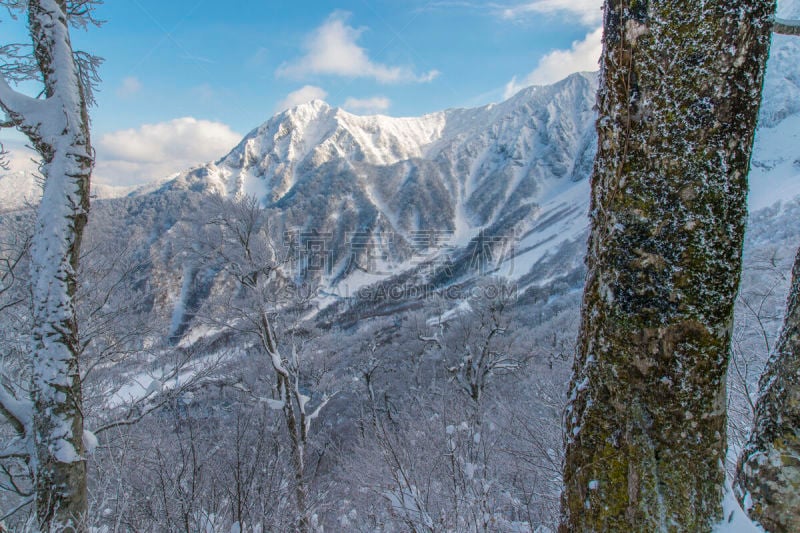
{"type": "Point", "coordinates": [310, 418]}
{"type": "Point", "coordinates": [16, 509]}
{"type": "Point", "coordinates": [786, 26]}
{"type": "Point", "coordinates": [186, 378]}
{"type": "Point", "coordinates": [135, 414]}
{"type": "Point", "coordinates": [81, 13]}
{"type": "Point", "coordinates": [19, 412]}
{"type": "Point", "coordinates": [23, 111]}
{"type": "Point", "coordinates": [17, 448]}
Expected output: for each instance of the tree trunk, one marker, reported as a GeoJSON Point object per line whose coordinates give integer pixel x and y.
{"type": "Point", "coordinates": [678, 101]}
{"type": "Point", "coordinates": [768, 474]}
{"type": "Point", "coordinates": [62, 139]}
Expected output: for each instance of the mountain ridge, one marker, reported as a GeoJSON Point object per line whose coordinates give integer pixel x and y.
{"type": "Point", "coordinates": [458, 172]}
{"type": "Point", "coordinates": [516, 170]}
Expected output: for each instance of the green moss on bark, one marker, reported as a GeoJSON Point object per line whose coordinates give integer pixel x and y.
{"type": "Point", "coordinates": [646, 422]}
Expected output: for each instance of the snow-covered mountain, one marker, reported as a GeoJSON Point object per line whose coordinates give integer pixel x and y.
{"type": "Point", "coordinates": [21, 186]}
{"type": "Point", "coordinates": [396, 182]}
{"type": "Point", "coordinates": [440, 201]}
{"type": "Point", "coordinates": [481, 162]}
{"type": "Point", "coordinates": [498, 189]}
{"type": "Point", "coordinates": [775, 173]}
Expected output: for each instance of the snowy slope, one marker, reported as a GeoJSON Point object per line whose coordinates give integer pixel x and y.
{"type": "Point", "coordinates": [516, 171]}
{"type": "Point", "coordinates": [775, 174]}
{"type": "Point", "coordinates": [495, 169]}
{"type": "Point", "coordinates": [21, 187]}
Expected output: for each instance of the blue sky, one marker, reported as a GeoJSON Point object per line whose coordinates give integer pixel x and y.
{"type": "Point", "coordinates": [208, 72]}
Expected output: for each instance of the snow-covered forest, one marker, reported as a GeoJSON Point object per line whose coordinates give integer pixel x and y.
{"type": "Point", "coordinates": [362, 323]}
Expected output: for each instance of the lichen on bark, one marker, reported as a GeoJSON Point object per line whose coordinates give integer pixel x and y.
{"type": "Point", "coordinates": [678, 101]}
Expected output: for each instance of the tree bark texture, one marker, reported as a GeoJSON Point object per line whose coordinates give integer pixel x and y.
{"type": "Point", "coordinates": [768, 474]}
{"type": "Point", "coordinates": [678, 102]}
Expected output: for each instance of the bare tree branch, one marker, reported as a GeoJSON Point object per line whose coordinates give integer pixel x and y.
{"type": "Point", "coordinates": [16, 509]}
{"type": "Point", "coordinates": [17, 448]}
{"type": "Point", "coordinates": [311, 417]}
{"type": "Point", "coordinates": [786, 26]}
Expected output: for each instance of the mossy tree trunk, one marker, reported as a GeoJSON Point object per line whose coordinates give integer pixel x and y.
{"type": "Point", "coordinates": [768, 474]}
{"type": "Point", "coordinates": [679, 95]}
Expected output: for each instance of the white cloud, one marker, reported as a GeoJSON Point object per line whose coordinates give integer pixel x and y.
{"type": "Point", "coordinates": [589, 12]}
{"type": "Point", "coordinates": [332, 49]}
{"type": "Point", "coordinates": [376, 104]}
{"type": "Point", "coordinates": [129, 87]}
{"type": "Point", "coordinates": [302, 95]}
{"type": "Point", "coordinates": [558, 64]}
{"type": "Point", "coordinates": [152, 151]}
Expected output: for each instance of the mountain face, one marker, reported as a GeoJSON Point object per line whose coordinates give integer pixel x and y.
{"type": "Point", "coordinates": [500, 189]}
{"type": "Point", "coordinates": [475, 165]}
{"type": "Point", "coordinates": [776, 158]}
{"type": "Point", "coordinates": [21, 187]}
{"type": "Point", "coordinates": [400, 183]}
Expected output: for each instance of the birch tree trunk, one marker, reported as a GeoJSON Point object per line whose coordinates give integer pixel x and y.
{"type": "Point", "coordinates": [768, 474]}
{"type": "Point", "coordinates": [679, 96]}
{"type": "Point", "coordinates": [58, 127]}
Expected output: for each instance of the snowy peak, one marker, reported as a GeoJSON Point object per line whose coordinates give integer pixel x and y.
{"type": "Point", "coordinates": [457, 172]}
{"type": "Point", "coordinates": [537, 132]}
{"type": "Point", "coordinates": [274, 157]}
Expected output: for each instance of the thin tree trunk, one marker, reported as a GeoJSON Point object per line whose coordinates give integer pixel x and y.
{"type": "Point", "coordinates": [298, 440]}
{"type": "Point", "coordinates": [768, 474]}
{"type": "Point", "coordinates": [63, 141]}
{"type": "Point", "coordinates": [296, 428]}
{"type": "Point", "coordinates": [679, 96]}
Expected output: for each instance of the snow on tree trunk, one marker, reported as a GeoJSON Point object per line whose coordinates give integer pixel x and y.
{"type": "Point", "coordinates": [679, 96]}
{"type": "Point", "coordinates": [768, 474]}
{"type": "Point", "coordinates": [58, 127]}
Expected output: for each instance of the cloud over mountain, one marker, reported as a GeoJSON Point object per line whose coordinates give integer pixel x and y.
{"type": "Point", "coordinates": [302, 95]}
{"type": "Point", "coordinates": [134, 156]}
{"type": "Point", "coordinates": [333, 50]}
{"type": "Point", "coordinates": [583, 56]}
